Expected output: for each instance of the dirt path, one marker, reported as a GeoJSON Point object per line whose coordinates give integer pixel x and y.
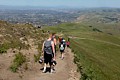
{"type": "Point", "coordinates": [65, 69]}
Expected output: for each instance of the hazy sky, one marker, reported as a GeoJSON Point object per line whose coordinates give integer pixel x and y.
{"type": "Point", "coordinates": [69, 3]}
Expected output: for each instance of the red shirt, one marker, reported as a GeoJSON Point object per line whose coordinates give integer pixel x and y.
{"type": "Point", "coordinates": [60, 39]}
{"type": "Point", "coordinates": [68, 43]}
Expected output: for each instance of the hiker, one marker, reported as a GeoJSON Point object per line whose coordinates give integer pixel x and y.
{"type": "Point", "coordinates": [68, 43]}
{"type": "Point", "coordinates": [60, 39]}
{"type": "Point", "coordinates": [48, 50]}
{"type": "Point", "coordinates": [54, 40]}
{"type": "Point", "coordinates": [64, 42]}
{"type": "Point", "coordinates": [62, 48]}
{"type": "Point", "coordinates": [55, 43]}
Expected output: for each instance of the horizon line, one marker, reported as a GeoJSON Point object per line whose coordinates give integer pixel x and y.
{"type": "Point", "coordinates": [77, 7]}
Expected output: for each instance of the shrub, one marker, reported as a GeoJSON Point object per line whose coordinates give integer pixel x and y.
{"type": "Point", "coordinates": [4, 47]}
{"type": "Point", "coordinates": [17, 62]}
{"type": "Point", "coordinates": [19, 45]}
{"type": "Point", "coordinates": [97, 30]}
{"type": "Point", "coordinates": [2, 50]}
{"type": "Point", "coordinates": [90, 26]}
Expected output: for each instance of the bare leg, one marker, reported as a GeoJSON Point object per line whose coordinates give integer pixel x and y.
{"type": "Point", "coordinates": [51, 68]}
{"type": "Point", "coordinates": [44, 70]}
{"type": "Point", "coordinates": [62, 55]}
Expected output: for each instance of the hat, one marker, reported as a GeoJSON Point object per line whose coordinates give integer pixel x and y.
{"type": "Point", "coordinates": [63, 40]}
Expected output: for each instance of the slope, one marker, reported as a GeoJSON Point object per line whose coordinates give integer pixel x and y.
{"type": "Point", "coordinates": [96, 52]}
{"type": "Point", "coordinates": [20, 49]}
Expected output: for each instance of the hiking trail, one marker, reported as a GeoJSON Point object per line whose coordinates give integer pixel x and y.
{"type": "Point", "coordinates": [65, 69]}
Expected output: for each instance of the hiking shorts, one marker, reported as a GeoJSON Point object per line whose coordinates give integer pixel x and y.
{"type": "Point", "coordinates": [61, 51]}
{"type": "Point", "coordinates": [68, 46]}
{"type": "Point", "coordinates": [48, 58]}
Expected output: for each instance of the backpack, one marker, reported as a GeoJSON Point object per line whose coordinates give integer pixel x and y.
{"type": "Point", "coordinates": [61, 47]}
{"type": "Point", "coordinates": [48, 47]}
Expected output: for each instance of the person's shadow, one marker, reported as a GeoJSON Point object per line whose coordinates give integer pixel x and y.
{"type": "Point", "coordinates": [47, 69]}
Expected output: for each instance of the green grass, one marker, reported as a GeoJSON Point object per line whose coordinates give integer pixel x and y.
{"type": "Point", "coordinates": [96, 53]}
{"type": "Point", "coordinates": [4, 47]}
{"type": "Point", "coordinates": [98, 56]}
{"type": "Point", "coordinates": [17, 62]}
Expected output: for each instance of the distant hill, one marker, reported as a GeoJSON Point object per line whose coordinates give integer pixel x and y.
{"type": "Point", "coordinates": [100, 15]}
{"type": "Point", "coordinates": [105, 19]}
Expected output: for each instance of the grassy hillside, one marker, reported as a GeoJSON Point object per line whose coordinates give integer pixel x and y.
{"type": "Point", "coordinates": [17, 36]}
{"type": "Point", "coordinates": [96, 52]}
{"type": "Point", "coordinates": [17, 40]}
